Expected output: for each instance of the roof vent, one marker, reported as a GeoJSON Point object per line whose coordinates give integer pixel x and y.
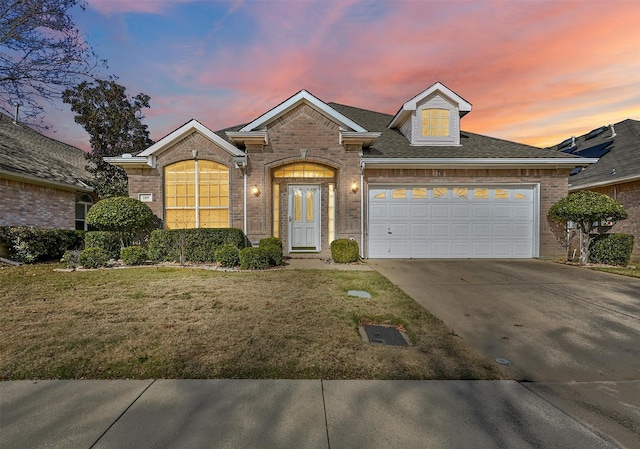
{"type": "Point", "coordinates": [613, 132]}
{"type": "Point", "coordinates": [15, 116]}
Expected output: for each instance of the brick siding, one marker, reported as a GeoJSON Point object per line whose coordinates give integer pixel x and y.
{"type": "Point", "coordinates": [26, 204]}
{"type": "Point", "coordinates": [627, 194]}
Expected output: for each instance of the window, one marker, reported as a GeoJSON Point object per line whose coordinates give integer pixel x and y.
{"type": "Point", "coordinates": [460, 192]}
{"type": "Point", "coordinates": [82, 207]}
{"type": "Point", "coordinates": [439, 192]}
{"type": "Point", "coordinates": [332, 213]}
{"type": "Point", "coordinates": [435, 123]}
{"type": "Point", "coordinates": [304, 170]}
{"type": "Point", "coordinates": [419, 193]}
{"type": "Point", "coordinates": [196, 195]}
{"type": "Point", "coordinates": [276, 210]}
{"type": "Point", "coordinates": [481, 193]}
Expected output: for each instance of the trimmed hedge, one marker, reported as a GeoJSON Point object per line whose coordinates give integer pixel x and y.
{"type": "Point", "coordinates": [93, 257]}
{"type": "Point", "coordinates": [345, 251]}
{"type": "Point", "coordinates": [228, 255]}
{"type": "Point", "coordinates": [611, 249]}
{"type": "Point", "coordinates": [31, 245]}
{"type": "Point", "coordinates": [196, 245]}
{"type": "Point", "coordinates": [133, 255]}
{"type": "Point", "coordinates": [273, 247]}
{"type": "Point", "coordinates": [107, 240]}
{"type": "Point", "coordinates": [254, 259]}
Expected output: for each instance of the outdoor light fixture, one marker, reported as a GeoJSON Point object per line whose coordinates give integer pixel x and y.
{"type": "Point", "coordinates": [354, 187]}
{"type": "Point", "coordinates": [256, 191]}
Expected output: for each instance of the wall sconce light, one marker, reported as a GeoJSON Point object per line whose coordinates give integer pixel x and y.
{"type": "Point", "coordinates": [354, 187]}
{"type": "Point", "coordinates": [256, 191]}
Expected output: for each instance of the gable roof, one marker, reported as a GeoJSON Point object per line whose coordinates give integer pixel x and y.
{"type": "Point", "coordinates": [294, 101]}
{"type": "Point", "coordinates": [619, 156]}
{"type": "Point", "coordinates": [410, 106]}
{"type": "Point", "coordinates": [184, 131]}
{"type": "Point", "coordinates": [392, 148]}
{"type": "Point", "coordinates": [27, 155]}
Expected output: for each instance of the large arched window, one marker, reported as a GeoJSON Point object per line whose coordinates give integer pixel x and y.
{"type": "Point", "coordinates": [196, 195]}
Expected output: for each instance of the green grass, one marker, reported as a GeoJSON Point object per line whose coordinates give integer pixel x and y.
{"type": "Point", "coordinates": [191, 323]}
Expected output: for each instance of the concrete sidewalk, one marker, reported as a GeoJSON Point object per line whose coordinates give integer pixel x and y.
{"type": "Point", "coordinates": [288, 414]}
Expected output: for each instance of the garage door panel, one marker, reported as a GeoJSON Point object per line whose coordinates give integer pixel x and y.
{"type": "Point", "coordinates": [440, 211]}
{"type": "Point", "coordinates": [399, 210]}
{"type": "Point", "coordinates": [419, 230]}
{"type": "Point", "coordinates": [460, 230]}
{"type": "Point", "coordinates": [451, 222]}
{"type": "Point", "coordinates": [419, 211]}
{"type": "Point", "coordinates": [440, 230]}
{"type": "Point", "coordinates": [460, 211]}
{"type": "Point", "coordinates": [378, 211]}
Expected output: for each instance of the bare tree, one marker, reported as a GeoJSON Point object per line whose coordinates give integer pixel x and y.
{"type": "Point", "coordinates": [42, 53]}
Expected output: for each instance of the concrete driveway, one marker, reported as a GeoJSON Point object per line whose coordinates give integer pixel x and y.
{"type": "Point", "coordinates": [572, 335]}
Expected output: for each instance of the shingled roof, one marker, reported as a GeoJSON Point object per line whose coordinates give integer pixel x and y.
{"type": "Point", "coordinates": [27, 154]}
{"type": "Point", "coordinates": [392, 144]}
{"type": "Point", "coordinates": [618, 150]}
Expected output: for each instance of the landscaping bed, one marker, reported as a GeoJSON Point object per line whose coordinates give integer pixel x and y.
{"type": "Point", "coordinates": [162, 322]}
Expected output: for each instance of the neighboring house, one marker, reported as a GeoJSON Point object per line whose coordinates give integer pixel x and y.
{"type": "Point", "coordinates": [617, 172]}
{"type": "Point", "coordinates": [309, 172]}
{"type": "Point", "coordinates": [43, 182]}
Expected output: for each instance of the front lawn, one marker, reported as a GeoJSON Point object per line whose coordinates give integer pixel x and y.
{"type": "Point", "coordinates": [631, 271]}
{"type": "Point", "coordinates": [192, 323]}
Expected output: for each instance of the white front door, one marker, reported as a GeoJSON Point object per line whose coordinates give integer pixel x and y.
{"type": "Point", "coordinates": [304, 218]}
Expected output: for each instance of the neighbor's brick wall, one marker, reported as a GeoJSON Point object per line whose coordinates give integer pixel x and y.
{"type": "Point", "coordinates": [627, 194]}
{"type": "Point", "coordinates": [26, 204]}
{"type": "Point", "coordinates": [553, 187]}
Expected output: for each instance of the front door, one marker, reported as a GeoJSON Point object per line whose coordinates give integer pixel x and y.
{"type": "Point", "coordinates": [304, 218]}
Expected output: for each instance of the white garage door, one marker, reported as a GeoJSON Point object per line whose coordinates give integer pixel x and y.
{"type": "Point", "coordinates": [452, 222]}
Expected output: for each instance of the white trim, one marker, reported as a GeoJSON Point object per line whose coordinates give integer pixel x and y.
{"type": "Point", "coordinates": [185, 130]}
{"type": "Point", "coordinates": [410, 106]}
{"type": "Point", "coordinates": [607, 183]}
{"type": "Point", "coordinates": [476, 162]}
{"type": "Point", "coordinates": [535, 187]}
{"type": "Point", "coordinates": [131, 161]}
{"type": "Point", "coordinates": [302, 97]}
{"type": "Point", "coordinates": [317, 211]}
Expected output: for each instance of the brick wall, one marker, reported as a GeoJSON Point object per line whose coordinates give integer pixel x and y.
{"type": "Point", "coordinates": [26, 204]}
{"type": "Point", "coordinates": [627, 194]}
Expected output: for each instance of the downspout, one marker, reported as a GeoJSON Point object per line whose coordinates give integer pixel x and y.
{"type": "Point", "coordinates": [361, 207]}
{"type": "Point", "coordinates": [244, 175]}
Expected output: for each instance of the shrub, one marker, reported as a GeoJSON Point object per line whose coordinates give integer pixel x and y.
{"type": "Point", "coordinates": [273, 247]}
{"type": "Point", "coordinates": [133, 255]}
{"type": "Point", "coordinates": [31, 245]}
{"type": "Point", "coordinates": [254, 259]}
{"type": "Point", "coordinates": [612, 249]}
{"type": "Point", "coordinates": [107, 240]}
{"type": "Point", "coordinates": [195, 245]}
{"type": "Point", "coordinates": [128, 217]}
{"type": "Point", "coordinates": [93, 257]}
{"type": "Point", "coordinates": [345, 251]}
{"type": "Point", "coordinates": [70, 258]}
{"type": "Point", "coordinates": [228, 255]}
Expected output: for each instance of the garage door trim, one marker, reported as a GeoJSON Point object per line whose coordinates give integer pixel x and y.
{"type": "Point", "coordinates": [533, 187]}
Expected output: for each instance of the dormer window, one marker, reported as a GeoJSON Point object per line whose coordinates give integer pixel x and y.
{"type": "Point", "coordinates": [435, 123]}
{"type": "Point", "coordinates": [432, 118]}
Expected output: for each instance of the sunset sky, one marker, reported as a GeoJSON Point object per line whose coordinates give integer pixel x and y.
{"type": "Point", "coordinates": [535, 71]}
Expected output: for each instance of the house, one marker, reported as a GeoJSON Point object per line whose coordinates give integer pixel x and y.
{"type": "Point", "coordinates": [43, 182]}
{"type": "Point", "coordinates": [617, 172]}
{"type": "Point", "coordinates": [408, 185]}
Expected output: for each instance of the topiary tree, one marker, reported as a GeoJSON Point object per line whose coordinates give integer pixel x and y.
{"type": "Point", "coordinates": [586, 209]}
{"type": "Point", "coordinates": [128, 217]}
